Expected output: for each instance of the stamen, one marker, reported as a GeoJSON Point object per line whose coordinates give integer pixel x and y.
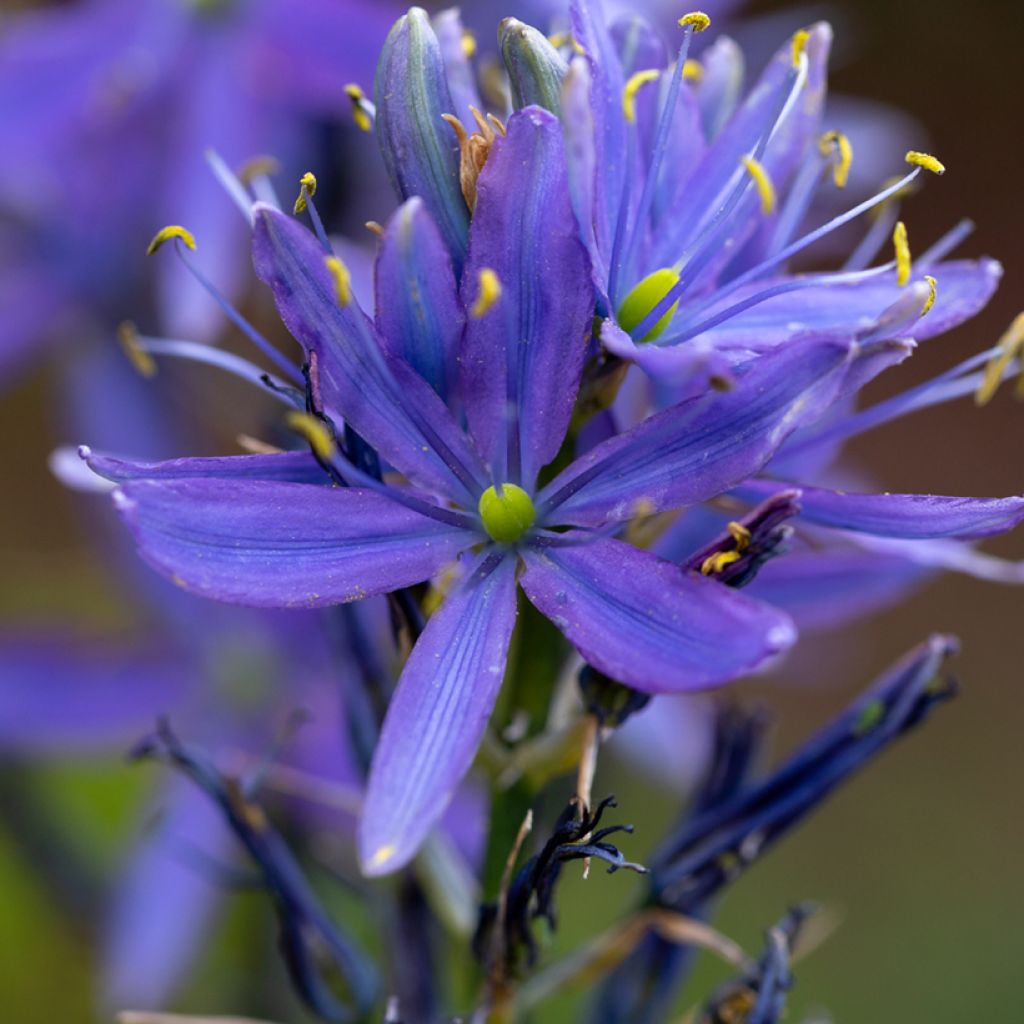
{"type": "Point", "coordinates": [1009, 347]}
{"type": "Point", "coordinates": [307, 189]}
{"type": "Point", "coordinates": [925, 160]}
{"type": "Point", "coordinates": [838, 144]}
{"type": "Point", "coordinates": [799, 45]}
{"type": "Point", "coordinates": [342, 278]}
{"type": "Point", "coordinates": [958, 382]}
{"type": "Point", "coordinates": [468, 44]}
{"type": "Point", "coordinates": [169, 232]}
{"type": "Point", "coordinates": [315, 432]}
{"type": "Point", "coordinates": [947, 243]}
{"type": "Point", "coordinates": [207, 355]}
{"type": "Point", "coordinates": [904, 263]}
{"type": "Point", "coordinates": [933, 292]}
{"type": "Point", "coordinates": [363, 111]}
{"type": "Point", "coordinates": [693, 71]}
{"type": "Point", "coordinates": [258, 167]}
{"type": "Point", "coordinates": [715, 563]}
{"type": "Point", "coordinates": [474, 149]}
{"type": "Point", "coordinates": [765, 188]}
{"type": "Point", "coordinates": [697, 20]}
{"type": "Point", "coordinates": [237, 319]}
{"type": "Point", "coordinates": [488, 295]}
{"type": "Point", "coordinates": [128, 336]}
{"type": "Point", "coordinates": [633, 86]}
{"type": "Point", "coordinates": [231, 184]}
{"type": "Point", "coordinates": [375, 227]}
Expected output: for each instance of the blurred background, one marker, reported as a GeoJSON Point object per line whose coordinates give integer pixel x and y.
{"type": "Point", "coordinates": [919, 857]}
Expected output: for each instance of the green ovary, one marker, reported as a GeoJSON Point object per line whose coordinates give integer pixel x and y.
{"type": "Point", "coordinates": [508, 514]}
{"type": "Point", "coordinates": [643, 298]}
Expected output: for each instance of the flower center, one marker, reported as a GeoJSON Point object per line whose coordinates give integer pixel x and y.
{"type": "Point", "coordinates": [642, 300]}
{"type": "Point", "coordinates": [506, 513]}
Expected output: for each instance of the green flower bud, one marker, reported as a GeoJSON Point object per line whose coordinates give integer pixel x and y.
{"type": "Point", "coordinates": [535, 68]}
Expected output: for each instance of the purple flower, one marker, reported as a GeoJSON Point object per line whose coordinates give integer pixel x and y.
{"type": "Point", "coordinates": [263, 530]}
{"type": "Point", "coordinates": [436, 425]}
{"type": "Point", "coordinates": [693, 203]}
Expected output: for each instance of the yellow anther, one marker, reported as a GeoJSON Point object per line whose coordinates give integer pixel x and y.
{"type": "Point", "coordinates": [360, 110]}
{"type": "Point", "coordinates": [933, 292]}
{"type": "Point", "coordinates": [315, 433]}
{"type": "Point", "coordinates": [839, 144]}
{"type": "Point", "coordinates": [488, 295]}
{"type": "Point", "coordinates": [693, 71]}
{"type": "Point", "coordinates": [925, 160]}
{"type": "Point", "coordinates": [633, 86]}
{"type": "Point", "coordinates": [1011, 346]}
{"type": "Point", "coordinates": [468, 44]}
{"type": "Point", "coordinates": [169, 232]}
{"type": "Point", "coordinates": [720, 560]}
{"type": "Point", "coordinates": [258, 167]}
{"type": "Point", "coordinates": [342, 279]}
{"type": "Point", "coordinates": [799, 45]}
{"type": "Point", "coordinates": [128, 336]}
{"type": "Point", "coordinates": [474, 150]}
{"type": "Point", "coordinates": [382, 856]}
{"type": "Point", "coordinates": [715, 563]}
{"type": "Point", "coordinates": [904, 263]}
{"type": "Point", "coordinates": [741, 535]}
{"type": "Point", "coordinates": [765, 188]}
{"type": "Point", "coordinates": [307, 189]}
{"type": "Point", "coordinates": [697, 20]}
{"type": "Point", "coordinates": [560, 39]}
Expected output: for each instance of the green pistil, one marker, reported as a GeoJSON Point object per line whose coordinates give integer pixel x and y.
{"type": "Point", "coordinates": [507, 514]}
{"type": "Point", "coordinates": [643, 298]}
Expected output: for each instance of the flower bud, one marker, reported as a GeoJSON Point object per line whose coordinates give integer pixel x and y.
{"type": "Point", "coordinates": [535, 67]}
{"type": "Point", "coordinates": [420, 150]}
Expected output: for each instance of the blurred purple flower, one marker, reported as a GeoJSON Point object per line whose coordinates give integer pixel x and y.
{"type": "Point", "coordinates": [108, 148]}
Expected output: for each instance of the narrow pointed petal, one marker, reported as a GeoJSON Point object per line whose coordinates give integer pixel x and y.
{"type": "Point", "coordinates": [522, 360]}
{"type": "Point", "coordinates": [59, 698]}
{"type": "Point", "coordinates": [591, 35]}
{"type": "Point", "coordinates": [910, 516]}
{"type": "Point", "coordinates": [419, 316]}
{"type": "Point", "coordinates": [646, 622]}
{"type": "Point", "coordinates": [842, 310]}
{"type": "Point", "coordinates": [585, 183]}
{"type": "Point", "coordinates": [281, 545]}
{"type": "Point", "coordinates": [163, 904]}
{"type": "Point", "coordinates": [721, 85]}
{"type": "Point", "coordinates": [390, 405]}
{"type": "Point", "coordinates": [701, 447]}
{"type": "Point", "coordinates": [287, 467]}
{"type": "Point", "coordinates": [458, 67]}
{"type": "Point", "coordinates": [437, 715]}
{"type": "Point", "coordinates": [825, 589]}
{"type": "Point", "coordinates": [420, 150]}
